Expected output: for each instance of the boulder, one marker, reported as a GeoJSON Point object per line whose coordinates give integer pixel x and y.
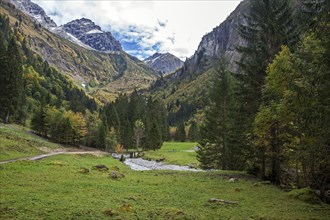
{"type": "Point", "coordinates": [100, 167]}
{"type": "Point", "coordinates": [116, 175]}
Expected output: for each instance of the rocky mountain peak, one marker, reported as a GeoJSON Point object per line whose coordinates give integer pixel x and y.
{"type": "Point", "coordinates": [86, 31]}
{"type": "Point", "coordinates": [164, 63]}
{"type": "Point", "coordinates": [34, 11]}
{"type": "Point", "coordinates": [80, 27]}
{"type": "Point", "coordinates": [83, 32]}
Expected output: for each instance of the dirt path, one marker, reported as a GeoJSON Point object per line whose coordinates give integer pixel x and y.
{"type": "Point", "coordinates": [41, 156]}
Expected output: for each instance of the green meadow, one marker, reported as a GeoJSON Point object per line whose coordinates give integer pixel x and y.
{"type": "Point", "coordinates": [179, 153]}
{"type": "Point", "coordinates": [67, 187]}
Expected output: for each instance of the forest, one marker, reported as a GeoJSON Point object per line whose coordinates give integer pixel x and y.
{"type": "Point", "coordinates": [270, 118]}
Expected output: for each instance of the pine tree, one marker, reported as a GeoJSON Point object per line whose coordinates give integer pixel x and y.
{"type": "Point", "coordinates": [11, 82]}
{"type": "Point", "coordinates": [38, 121]}
{"type": "Point", "coordinates": [268, 25]}
{"type": "Point", "coordinates": [220, 141]}
{"type": "Point", "coordinates": [193, 133]}
{"type": "Point", "coordinates": [102, 135]}
{"type": "Point", "coordinates": [181, 132]}
{"type": "Point", "coordinates": [154, 136]}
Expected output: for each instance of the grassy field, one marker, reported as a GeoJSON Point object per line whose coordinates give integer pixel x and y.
{"type": "Point", "coordinates": [16, 141]}
{"type": "Point", "coordinates": [179, 153]}
{"type": "Point", "coordinates": [55, 188]}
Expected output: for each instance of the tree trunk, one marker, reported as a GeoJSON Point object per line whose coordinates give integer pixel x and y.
{"type": "Point", "coordinates": [6, 118]}
{"type": "Point", "coordinates": [276, 169]}
{"type": "Point", "coordinates": [263, 165]}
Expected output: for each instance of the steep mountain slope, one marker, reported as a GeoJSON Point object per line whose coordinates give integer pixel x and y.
{"type": "Point", "coordinates": [104, 75]}
{"type": "Point", "coordinates": [35, 11]}
{"type": "Point", "coordinates": [185, 90]}
{"type": "Point", "coordinates": [222, 40]}
{"type": "Point", "coordinates": [92, 35]}
{"type": "Point", "coordinates": [164, 63]}
{"type": "Point", "coordinates": [83, 32]}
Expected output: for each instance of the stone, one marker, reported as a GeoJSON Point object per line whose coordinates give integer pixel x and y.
{"type": "Point", "coordinates": [193, 165]}
{"type": "Point", "coordinates": [233, 180]}
{"type": "Point", "coordinates": [83, 170]}
{"type": "Point", "coordinates": [116, 175]}
{"type": "Point", "coordinates": [100, 167]}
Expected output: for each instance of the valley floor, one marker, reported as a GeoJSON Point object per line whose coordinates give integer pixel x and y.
{"type": "Point", "coordinates": [66, 187]}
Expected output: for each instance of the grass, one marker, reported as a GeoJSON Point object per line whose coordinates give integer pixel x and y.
{"type": "Point", "coordinates": [54, 188]}
{"type": "Point", "coordinates": [17, 141]}
{"type": "Point", "coordinates": [179, 153]}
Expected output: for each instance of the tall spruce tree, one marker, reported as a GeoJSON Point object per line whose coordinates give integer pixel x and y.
{"type": "Point", "coordinates": [268, 25]}
{"type": "Point", "coordinates": [11, 82]}
{"type": "Point", "coordinates": [221, 141]}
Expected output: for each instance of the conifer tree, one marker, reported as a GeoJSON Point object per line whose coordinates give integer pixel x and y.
{"type": "Point", "coordinates": [181, 132]}
{"type": "Point", "coordinates": [193, 133]}
{"type": "Point", "coordinates": [154, 135]}
{"type": "Point", "coordinates": [268, 25]}
{"type": "Point", "coordinates": [11, 83]}
{"type": "Point", "coordinates": [220, 141]}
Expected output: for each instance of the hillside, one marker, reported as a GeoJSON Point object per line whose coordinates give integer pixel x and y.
{"type": "Point", "coordinates": [103, 75]}
{"type": "Point", "coordinates": [185, 91]}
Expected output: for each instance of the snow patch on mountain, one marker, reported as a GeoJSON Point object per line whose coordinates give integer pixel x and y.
{"type": "Point", "coordinates": [95, 31]}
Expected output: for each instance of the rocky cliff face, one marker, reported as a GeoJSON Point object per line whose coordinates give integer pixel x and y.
{"type": "Point", "coordinates": [83, 32]}
{"type": "Point", "coordinates": [35, 11]}
{"type": "Point", "coordinates": [92, 35]}
{"type": "Point", "coordinates": [222, 40]}
{"type": "Point", "coordinates": [164, 63]}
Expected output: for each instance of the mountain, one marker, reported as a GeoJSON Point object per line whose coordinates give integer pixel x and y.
{"type": "Point", "coordinates": [83, 32]}
{"type": "Point", "coordinates": [221, 41]}
{"type": "Point", "coordinates": [185, 91]}
{"type": "Point", "coordinates": [92, 35]}
{"type": "Point", "coordinates": [103, 75]}
{"type": "Point", "coordinates": [35, 11]}
{"type": "Point", "coordinates": [164, 63]}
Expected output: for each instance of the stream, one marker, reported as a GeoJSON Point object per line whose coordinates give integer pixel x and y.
{"type": "Point", "coordinates": [142, 164]}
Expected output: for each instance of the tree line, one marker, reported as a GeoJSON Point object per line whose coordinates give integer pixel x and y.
{"type": "Point", "coordinates": [272, 117]}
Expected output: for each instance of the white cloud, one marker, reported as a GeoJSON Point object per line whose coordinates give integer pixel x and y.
{"type": "Point", "coordinates": [164, 26]}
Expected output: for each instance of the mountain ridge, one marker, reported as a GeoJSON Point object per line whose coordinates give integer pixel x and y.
{"type": "Point", "coordinates": [77, 31]}
{"type": "Point", "coordinates": [164, 63]}
{"type": "Point", "coordinates": [103, 75]}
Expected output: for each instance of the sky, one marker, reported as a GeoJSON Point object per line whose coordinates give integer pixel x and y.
{"type": "Point", "coordinates": [146, 27]}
